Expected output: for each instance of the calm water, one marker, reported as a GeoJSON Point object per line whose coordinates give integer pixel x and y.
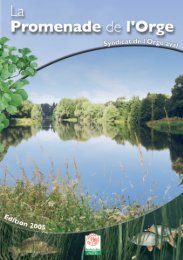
{"type": "Point", "coordinates": [136, 163]}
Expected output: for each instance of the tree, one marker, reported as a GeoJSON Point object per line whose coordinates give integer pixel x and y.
{"type": "Point", "coordinates": [81, 106]}
{"type": "Point", "coordinates": [47, 110]}
{"type": "Point", "coordinates": [111, 113]}
{"type": "Point", "coordinates": [13, 64]}
{"type": "Point", "coordinates": [146, 109]}
{"type": "Point", "coordinates": [134, 111]}
{"type": "Point", "coordinates": [65, 109]}
{"type": "Point", "coordinates": [160, 106]}
{"type": "Point", "coordinates": [36, 113]}
{"type": "Point", "coordinates": [123, 107]}
{"type": "Point", "coordinates": [24, 110]}
{"type": "Point", "coordinates": [93, 113]}
{"type": "Point", "coordinates": [176, 101]}
{"type": "Point", "coordinates": [152, 107]}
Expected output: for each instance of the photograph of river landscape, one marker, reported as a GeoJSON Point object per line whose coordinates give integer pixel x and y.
{"type": "Point", "coordinates": [97, 144]}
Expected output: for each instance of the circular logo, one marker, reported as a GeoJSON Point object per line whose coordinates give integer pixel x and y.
{"type": "Point", "coordinates": [92, 239]}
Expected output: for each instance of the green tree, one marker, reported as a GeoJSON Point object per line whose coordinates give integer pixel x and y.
{"type": "Point", "coordinates": [176, 101]}
{"type": "Point", "coordinates": [13, 64]}
{"type": "Point", "coordinates": [94, 113]}
{"type": "Point", "coordinates": [160, 106]}
{"type": "Point", "coordinates": [36, 113]}
{"type": "Point", "coordinates": [134, 111]}
{"type": "Point", "coordinates": [65, 109]}
{"type": "Point", "coordinates": [24, 110]}
{"type": "Point", "coordinates": [147, 109]}
{"type": "Point", "coordinates": [123, 107]}
{"type": "Point", "coordinates": [47, 109]}
{"type": "Point", "coordinates": [111, 114]}
{"type": "Point", "coordinates": [81, 106]}
{"type": "Point", "coordinates": [152, 107]}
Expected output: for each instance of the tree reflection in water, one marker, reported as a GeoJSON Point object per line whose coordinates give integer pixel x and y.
{"type": "Point", "coordinates": [148, 138]}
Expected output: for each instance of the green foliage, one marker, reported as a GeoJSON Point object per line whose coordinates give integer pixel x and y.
{"type": "Point", "coordinates": [4, 122]}
{"type": "Point", "coordinates": [81, 106]}
{"type": "Point", "coordinates": [153, 107]}
{"type": "Point", "coordinates": [176, 101]}
{"type": "Point", "coordinates": [123, 107]}
{"type": "Point", "coordinates": [62, 204]}
{"type": "Point", "coordinates": [36, 113]}
{"type": "Point", "coordinates": [24, 110]}
{"type": "Point", "coordinates": [24, 122]}
{"type": "Point", "coordinates": [65, 109]}
{"type": "Point", "coordinates": [133, 116]}
{"type": "Point", "coordinates": [172, 125]}
{"type": "Point", "coordinates": [13, 63]}
{"type": "Point", "coordinates": [111, 114]}
{"type": "Point", "coordinates": [93, 113]}
{"type": "Point", "coordinates": [132, 112]}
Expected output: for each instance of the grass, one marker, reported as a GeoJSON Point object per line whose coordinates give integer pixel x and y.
{"type": "Point", "coordinates": [61, 204]}
{"type": "Point", "coordinates": [23, 122]}
{"type": "Point", "coordinates": [170, 125]}
{"type": "Point", "coordinates": [116, 240]}
{"type": "Point", "coordinates": [70, 120]}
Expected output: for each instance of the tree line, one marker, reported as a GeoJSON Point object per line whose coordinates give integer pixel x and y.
{"type": "Point", "coordinates": [135, 111]}
{"type": "Point", "coordinates": [35, 111]}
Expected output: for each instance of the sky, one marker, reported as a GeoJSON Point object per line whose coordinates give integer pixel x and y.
{"type": "Point", "coordinates": [107, 74]}
{"type": "Point", "coordinates": [102, 75]}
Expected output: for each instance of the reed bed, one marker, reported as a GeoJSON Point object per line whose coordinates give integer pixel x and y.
{"type": "Point", "coordinates": [61, 203]}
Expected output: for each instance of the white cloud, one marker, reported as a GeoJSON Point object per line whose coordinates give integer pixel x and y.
{"type": "Point", "coordinates": [45, 98]}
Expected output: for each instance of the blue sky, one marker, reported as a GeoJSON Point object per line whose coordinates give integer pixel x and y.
{"type": "Point", "coordinates": [49, 47]}
{"type": "Point", "coordinates": [106, 74]}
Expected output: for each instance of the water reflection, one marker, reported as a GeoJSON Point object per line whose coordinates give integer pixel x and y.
{"type": "Point", "coordinates": [13, 136]}
{"type": "Point", "coordinates": [148, 138]}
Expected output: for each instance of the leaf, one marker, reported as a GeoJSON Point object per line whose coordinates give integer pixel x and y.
{"type": "Point", "coordinates": [16, 100]}
{"type": "Point", "coordinates": [2, 107]}
{"type": "Point", "coordinates": [3, 40]}
{"type": "Point", "coordinates": [6, 97]}
{"type": "Point", "coordinates": [34, 65]}
{"type": "Point", "coordinates": [30, 71]}
{"type": "Point", "coordinates": [1, 127]}
{"type": "Point", "coordinates": [11, 109]}
{"type": "Point", "coordinates": [11, 68]}
{"type": "Point", "coordinates": [22, 93]}
{"type": "Point", "coordinates": [5, 122]}
{"type": "Point", "coordinates": [12, 49]}
{"type": "Point", "coordinates": [20, 83]}
{"type": "Point", "coordinates": [24, 51]}
{"type": "Point", "coordinates": [14, 58]}
{"type": "Point", "coordinates": [32, 58]}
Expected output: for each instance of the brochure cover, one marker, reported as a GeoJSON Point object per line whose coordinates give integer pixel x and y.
{"type": "Point", "coordinates": [91, 130]}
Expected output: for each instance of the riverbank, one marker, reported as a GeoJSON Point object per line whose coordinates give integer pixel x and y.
{"type": "Point", "coordinates": [70, 120]}
{"type": "Point", "coordinates": [169, 125]}
{"type": "Point", "coordinates": [63, 205]}
{"type": "Point", "coordinates": [15, 122]}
